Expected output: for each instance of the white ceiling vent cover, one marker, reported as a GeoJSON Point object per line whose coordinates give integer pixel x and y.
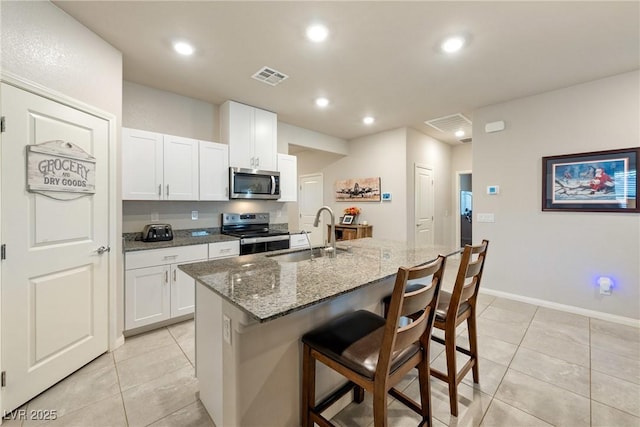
{"type": "Point", "coordinates": [450, 123]}
{"type": "Point", "coordinates": [270, 76]}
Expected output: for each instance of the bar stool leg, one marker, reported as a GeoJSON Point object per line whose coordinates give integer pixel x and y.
{"type": "Point", "coordinates": [308, 386]}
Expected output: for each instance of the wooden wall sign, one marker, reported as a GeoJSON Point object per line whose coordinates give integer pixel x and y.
{"type": "Point", "coordinates": [60, 170]}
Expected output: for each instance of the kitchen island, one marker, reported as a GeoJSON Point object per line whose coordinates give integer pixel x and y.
{"type": "Point", "coordinates": [252, 310]}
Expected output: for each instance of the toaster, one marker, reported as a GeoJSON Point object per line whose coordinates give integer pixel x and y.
{"type": "Point", "coordinates": [157, 233]}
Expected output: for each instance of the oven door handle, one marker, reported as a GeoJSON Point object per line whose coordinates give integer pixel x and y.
{"type": "Point", "coordinates": [252, 240]}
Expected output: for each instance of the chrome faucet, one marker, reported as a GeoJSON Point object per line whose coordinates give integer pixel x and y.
{"type": "Point", "coordinates": [332, 238]}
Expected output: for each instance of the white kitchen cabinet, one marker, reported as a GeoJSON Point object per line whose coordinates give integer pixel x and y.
{"type": "Point", "coordinates": [251, 134]}
{"type": "Point", "coordinates": [142, 165]}
{"type": "Point", "coordinates": [298, 241]}
{"type": "Point", "coordinates": [155, 289]}
{"type": "Point", "coordinates": [159, 167]}
{"type": "Point", "coordinates": [214, 171]}
{"type": "Point", "coordinates": [288, 168]}
{"type": "Point", "coordinates": [181, 177]}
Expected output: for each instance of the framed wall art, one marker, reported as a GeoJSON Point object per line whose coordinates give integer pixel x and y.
{"type": "Point", "coordinates": [361, 189]}
{"type": "Point", "coordinates": [599, 181]}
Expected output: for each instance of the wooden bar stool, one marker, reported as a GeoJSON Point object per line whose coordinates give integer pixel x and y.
{"type": "Point", "coordinates": [453, 309]}
{"type": "Point", "coordinates": [374, 353]}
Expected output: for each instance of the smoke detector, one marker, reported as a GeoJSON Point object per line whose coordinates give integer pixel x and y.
{"type": "Point", "coordinates": [270, 76]}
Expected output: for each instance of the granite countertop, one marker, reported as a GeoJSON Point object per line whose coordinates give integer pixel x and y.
{"type": "Point", "coordinates": [266, 288]}
{"type": "Point", "coordinates": [180, 238]}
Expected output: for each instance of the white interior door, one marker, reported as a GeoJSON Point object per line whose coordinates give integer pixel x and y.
{"type": "Point", "coordinates": [309, 202]}
{"type": "Point", "coordinates": [54, 282]}
{"type": "Point", "coordinates": [424, 205]}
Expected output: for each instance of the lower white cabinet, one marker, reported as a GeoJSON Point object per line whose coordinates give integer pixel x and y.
{"type": "Point", "coordinates": [155, 289]}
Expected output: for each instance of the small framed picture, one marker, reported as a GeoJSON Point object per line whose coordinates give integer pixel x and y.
{"type": "Point", "coordinates": [347, 219]}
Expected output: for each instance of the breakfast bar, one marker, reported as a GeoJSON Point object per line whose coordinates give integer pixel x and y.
{"type": "Point", "coordinates": [252, 310]}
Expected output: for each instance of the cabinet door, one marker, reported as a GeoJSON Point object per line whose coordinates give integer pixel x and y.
{"type": "Point", "coordinates": [288, 168]}
{"type": "Point", "coordinates": [147, 296]}
{"type": "Point", "coordinates": [180, 168]}
{"type": "Point", "coordinates": [265, 144]}
{"type": "Point", "coordinates": [214, 171]}
{"type": "Point", "coordinates": [183, 289]}
{"type": "Point", "coordinates": [238, 131]}
{"type": "Point", "coordinates": [142, 171]}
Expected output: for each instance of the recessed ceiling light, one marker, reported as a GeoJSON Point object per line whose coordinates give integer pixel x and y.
{"type": "Point", "coordinates": [317, 33]}
{"type": "Point", "coordinates": [368, 120]}
{"type": "Point", "coordinates": [183, 48]}
{"type": "Point", "coordinates": [459, 133]}
{"type": "Point", "coordinates": [322, 102]}
{"type": "Point", "coordinates": [452, 44]}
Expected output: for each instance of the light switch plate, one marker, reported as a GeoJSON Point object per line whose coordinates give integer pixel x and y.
{"type": "Point", "coordinates": [486, 217]}
{"type": "Point", "coordinates": [226, 329]}
{"type": "Point", "coordinates": [194, 215]}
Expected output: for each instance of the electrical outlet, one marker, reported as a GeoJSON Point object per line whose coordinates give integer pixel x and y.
{"type": "Point", "coordinates": [194, 215]}
{"type": "Point", "coordinates": [226, 329]}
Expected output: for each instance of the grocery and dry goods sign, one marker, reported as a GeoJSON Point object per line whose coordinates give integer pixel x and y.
{"type": "Point", "coordinates": [55, 167]}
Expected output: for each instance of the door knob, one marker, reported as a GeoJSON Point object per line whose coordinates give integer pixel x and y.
{"type": "Point", "coordinates": [103, 249]}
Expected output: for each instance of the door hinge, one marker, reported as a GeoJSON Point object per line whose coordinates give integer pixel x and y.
{"type": "Point", "coordinates": [2, 124]}
{"type": "Point", "coordinates": [3, 252]}
{"type": "Point", "coordinates": [3, 379]}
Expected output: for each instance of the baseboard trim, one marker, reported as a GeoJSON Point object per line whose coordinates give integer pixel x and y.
{"type": "Point", "coordinates": [628, 321]}
{"type": "Point", "coordinates": [118, 342]}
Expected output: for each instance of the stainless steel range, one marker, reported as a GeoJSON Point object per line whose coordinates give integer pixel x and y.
{"type": "Point", "coordinates": [254, 232]}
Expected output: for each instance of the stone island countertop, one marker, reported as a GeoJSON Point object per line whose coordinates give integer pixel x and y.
{"type": "Point", "coordinates": [266, 288]}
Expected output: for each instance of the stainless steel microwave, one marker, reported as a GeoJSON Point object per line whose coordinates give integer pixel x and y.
{"type": "Point", "coordinates": [253, 184]}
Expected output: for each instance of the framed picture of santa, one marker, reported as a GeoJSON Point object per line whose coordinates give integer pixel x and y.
{"type": "Point", "coordinates": [599, 181]}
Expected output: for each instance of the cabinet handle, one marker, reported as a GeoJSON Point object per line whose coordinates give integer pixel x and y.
{"type": "Point", "coordinates": [166, 277]}
{"type": "Point", "coordinates": [257, 161]}
{"type": "Point", "coordinates": [167, 190]}
{"type": "Point", "coordinates": [253, 161]}
{"type": "Point", "coordinates": [159, 190]}
{"type": "Point", "coordinates": [170, 256]}
{"type": "Point", "coordinates": [174, 276]}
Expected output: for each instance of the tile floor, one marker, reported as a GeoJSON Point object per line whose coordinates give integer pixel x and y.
{"type": "Point", "coordinates": [538, 367]}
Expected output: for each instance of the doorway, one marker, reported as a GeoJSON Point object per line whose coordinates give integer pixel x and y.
{"type": "Point", "coordinates": [310, 200]}
{"type": "Point", "coordinates": [464, 229]}
{"type": "Point", "coordinates": [55, 276]}
{"type": "Point", "coordinates": [424, 205]}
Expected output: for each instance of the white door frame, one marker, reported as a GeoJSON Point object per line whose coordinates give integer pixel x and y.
{"type": "Point", "coordinates": [457, 213]}
{"type": "Point", "coordinates": [116, 338]}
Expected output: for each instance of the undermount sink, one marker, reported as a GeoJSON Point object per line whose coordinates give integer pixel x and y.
{"type": "Point", "coordinates": [303, 255]}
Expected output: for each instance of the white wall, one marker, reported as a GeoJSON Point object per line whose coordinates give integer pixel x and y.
{"type": "Point", "coordinates": [557, 256]}
{"type": "Point", "coordinates": [44, 45]}
{"type": "Point", "coordinates": [383, 155]}
{"type": "Point", "coordinates": [435, 155]}
{"type": "Point", "coordinates": [156, 110]}
{"type": "Point", "coordinates": [289, 134]}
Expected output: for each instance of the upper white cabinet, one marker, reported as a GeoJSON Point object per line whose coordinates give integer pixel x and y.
{"type": "Point", "coordinates": [142, 165]}
{"type": "Point", "coordinates": [288, 168]}
{"type": "Point", "coordinates": [159, 167]}
{"type": "Point", "coordinates": [252, 136]}
{"type": "Point", "coordinates": [214, 171]}
{"type": "Point", "coordinates": [180, 168]}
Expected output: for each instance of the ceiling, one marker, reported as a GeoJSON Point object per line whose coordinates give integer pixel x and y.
{"type": "Point", "coordinates": [380, 59]}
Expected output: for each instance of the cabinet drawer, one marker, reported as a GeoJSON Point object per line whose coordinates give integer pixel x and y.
{"type": "Point", "coordinates": [224, 249]}
{"type": "Point", "coordinates": [298, 241]}
{"type": "Point", "coordinates": [153, 257]}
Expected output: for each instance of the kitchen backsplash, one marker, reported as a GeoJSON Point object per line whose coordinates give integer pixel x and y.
{"type": "Point", "coordinates": [137, 214]}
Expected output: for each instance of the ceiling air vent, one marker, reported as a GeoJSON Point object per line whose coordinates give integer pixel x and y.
{"type": "Point", "coordinates": [270, 76]}
{"type": "Point", "coordinates": [451, 123]}
{"type": "Point", "coordinates": [465, 140]}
